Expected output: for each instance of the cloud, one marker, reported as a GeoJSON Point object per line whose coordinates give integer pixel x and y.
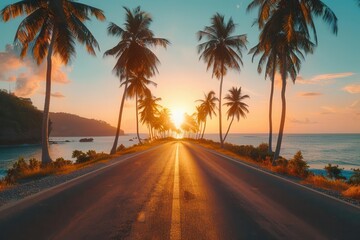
{"type": "Point", "coordinates": [309, 94]}
{"type": "Point", "coordinates": [305, 121]}
{"type": "Point", "coordinates": [26, 74]}
{"type": "Point", "coordinates": [323, 78]}
{"type": "Point", "coordinates": [352, 88]}
{"type": "Point", "coordinates": [328, 110]}
{"type": "Point", "coordinates": [57, 95]}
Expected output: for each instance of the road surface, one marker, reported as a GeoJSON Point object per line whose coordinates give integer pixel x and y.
{"type": "Point", "coordinates": [179, 191]}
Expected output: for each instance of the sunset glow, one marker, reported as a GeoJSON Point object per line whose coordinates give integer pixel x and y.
{"type": "Point", "coordinates": [177, 116]}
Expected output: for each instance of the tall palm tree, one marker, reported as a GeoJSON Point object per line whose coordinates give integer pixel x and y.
{"type": "Point", "coordinates": [285, 32]}
{"type": "Point", "coordinates": [270, 58]}
{"type": "Point", "coordinates": [288, 58]}
{"type": "Point", "coordinates": [133, 51]}
{"type": "Point", "coordinates": [208, 106]}
{"type": "Point", "coordinates": [137, 86]}
{"type": "Point", "coordinates": [51, 28]}
{"type": "Point", "coordinates": [149, 108]}
{"type": "Point", "coordinates": [221, 51]}
{"type": "Point", "coordinates": [237, 108]}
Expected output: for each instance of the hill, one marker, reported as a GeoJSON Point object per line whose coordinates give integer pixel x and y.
{"type": "Point", "coordinates": [20, 121]}
{"type": "Point", "coordinates": [68, 125]}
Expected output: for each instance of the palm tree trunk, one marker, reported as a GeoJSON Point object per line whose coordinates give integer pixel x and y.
{"type": "Point", "coordinates": [232, 119]}
{"type": "Point", "coordinates": [202, 135]}
{"type": "Point", "coordinates": [113, 149]}
{"type": "Point", "coordinates": [45, 155]}
{"type": "Point", "coordinates": [282, 121]}
{"type": "Point", "coordinates": [137, 117]}
{"type": "Point", "coordinates": [270, 111]}
{"type": "Point", "coordinates": [220, 120]}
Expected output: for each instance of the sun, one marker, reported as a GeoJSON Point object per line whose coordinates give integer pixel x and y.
{"type": "Point", "coordinates": [177, 116]}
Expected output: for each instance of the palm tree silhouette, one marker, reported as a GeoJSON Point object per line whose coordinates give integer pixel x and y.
{"type": "Point", "coordinates": [137, 86]}
{"type": "Point", "coordinates": [51, 28]}
{"type": "Point", "coordinates": [149, 108]}
{"type": "Point", "coordinates": [207, 107]}
{"type": "Point", "coordinates": [133, 53]}
{"type": "Point", "coordinates": [237, 108]}
{"type": "Point", "coordinates": [221, 51]}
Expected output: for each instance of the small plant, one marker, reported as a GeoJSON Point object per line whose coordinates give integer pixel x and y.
{"type": "Point", "coordinates": [80, 156]}
{"type": "Point", "coordinates": [120, 148]}
{"type": "Point", "coordinates": [34, 164]}
{"type": "Point", "coordinates": [355, 177]}
{"type": "Point", "coordinates": [297, 166]}
{"type": "Point", "coordinates": [334, 172]}
{"type": "Point", "coordinates": [352, 192]}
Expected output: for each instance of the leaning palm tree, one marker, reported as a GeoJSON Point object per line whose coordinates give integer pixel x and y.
{"type": "Point", "coordinates": [200, 118]}
{"type": "Point", "coordinates": [221, 52]}
{"type": "Point", "coordinates": [132, 52]}
{"type": "Point", "coordinates": [137, 86]}
{"type": "Point", "coordinates": [237, 108]}
{"type": "Point", "coordinates": [51, 28]}
{"type": "Point", "coordinates": [208, 106]}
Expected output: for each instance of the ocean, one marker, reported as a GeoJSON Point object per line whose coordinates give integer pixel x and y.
{"type": "Point", "coordinates": [317, 149]}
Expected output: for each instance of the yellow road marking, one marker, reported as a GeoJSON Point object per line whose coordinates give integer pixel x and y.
{"type": "Point", "coordinates": [175, 230]}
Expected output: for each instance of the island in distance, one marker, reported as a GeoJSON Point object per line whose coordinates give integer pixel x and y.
{"type": "Point", "coordinates": [70, 125]}
{"type": "Point", "coordinates": [20, 122]}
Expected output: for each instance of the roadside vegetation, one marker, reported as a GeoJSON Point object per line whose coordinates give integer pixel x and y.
{"type": "Point", "coordinates": [23, 171]}
{"type": "Point", "coordinates": [295, 167]}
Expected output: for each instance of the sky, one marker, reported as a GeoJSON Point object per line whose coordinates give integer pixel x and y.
{"type": "Point", "coordinates": [324, 99]}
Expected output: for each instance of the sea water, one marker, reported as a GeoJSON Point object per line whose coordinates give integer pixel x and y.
{"type": "Point", "coordinates": [317, 149]}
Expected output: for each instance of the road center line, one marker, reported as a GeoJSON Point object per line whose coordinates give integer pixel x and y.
{"type": "Point", "coordinates": [175, 230]}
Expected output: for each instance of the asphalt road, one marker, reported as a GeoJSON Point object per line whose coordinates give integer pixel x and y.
{"type": "Point", "coordinates": [179, 191]}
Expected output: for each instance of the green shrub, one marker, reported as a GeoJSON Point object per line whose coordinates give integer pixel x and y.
{"type": "Point", "coordinates": [80, 156]}
{"type": "Point", "coordinates": [34, 164]}
{"type": "Point", "coordinates": [334, 172]}
{"type": "Point", "coordinates": [19, 168]}
{"type": "Point", "coordinates": [297, 166]}
{"type": "Point", "coordinates": [61, 162]}
{"type": "Point", "coordinates": [355, 177]}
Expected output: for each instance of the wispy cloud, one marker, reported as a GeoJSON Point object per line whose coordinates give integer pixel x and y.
{"type": "Point", "coordinates": [309, 94]}
{"type": "Point", "coordinates": [26, 74]}
{"type": "Point", "coordinates": [323, 78]}
{"type": "Point", "coordinates": [352, 88]}
{"type": "Point", "coordinates": [55, 94]}
{"type": "Point", "coordinates": [305, 121]}
{"type": "Point", "coordinates": [328, 110]}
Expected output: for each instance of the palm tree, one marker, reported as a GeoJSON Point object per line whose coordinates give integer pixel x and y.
{"type": "Point", "coordinates": [148, 106]}
{"type": "Point", "coordinates": [270, 57]}
{"type": "Point", "coordinates": [51, 28]}
{"type": "Point", "coordinates": [285, 32]}
{"type": "Point", "coordinates": [288, 58]}
{"type": "Point", "coordinates": [137, 86]}
{"type": "Point", "coordinates": [132, 52]}
{"type": "Point", "coordinates": [221, 51]}
{"type": "Point", "coordinates": [207, 107]}
{"type": "Point", "coordinates": [200, 118]}
{"type": "Point", "coordinates": [300, 15]}
{"type": "Point", "coordinates": [237, 108]}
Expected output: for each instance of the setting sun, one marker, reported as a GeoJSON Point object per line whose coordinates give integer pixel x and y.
{"type": "Point", "coordinates": [177, 116]}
